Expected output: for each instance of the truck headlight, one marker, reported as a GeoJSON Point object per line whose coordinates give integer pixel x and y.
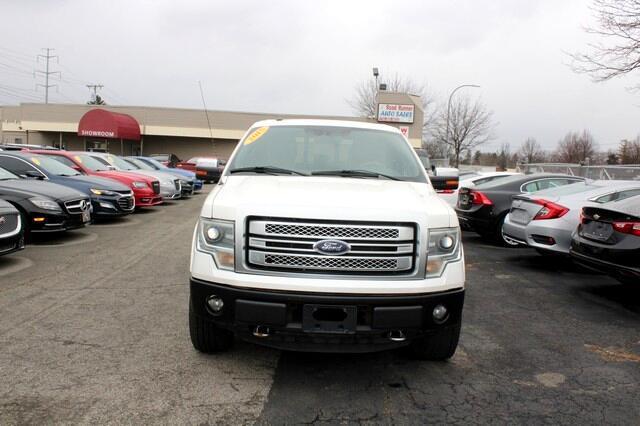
{"type": "Point", "coordinates": [444, 247]}
{"type": "Point", "coordinates": [45, 204]}
{"type": "Point", "coordinates": [216, 238]}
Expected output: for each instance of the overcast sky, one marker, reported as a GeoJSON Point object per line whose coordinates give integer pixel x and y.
{"type": "Point", "coordinates": [307, 56]}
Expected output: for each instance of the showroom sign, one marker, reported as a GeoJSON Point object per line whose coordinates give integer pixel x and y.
{"type": "Point", "coordinates": [97, 133]}
{"type": "Point", "coordinates": [395, 113]}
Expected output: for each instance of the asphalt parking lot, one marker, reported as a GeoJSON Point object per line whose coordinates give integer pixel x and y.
{"type": "Point", "coordinates": [93, 329]}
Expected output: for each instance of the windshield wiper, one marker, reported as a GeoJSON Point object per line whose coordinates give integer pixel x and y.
{"type": "Point", "coordinates": [353, 173]}
{"type": "Point", "coordinates": [267, 170]}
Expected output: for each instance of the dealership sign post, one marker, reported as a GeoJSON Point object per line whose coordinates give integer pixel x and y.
{"type": "Point", "coordinates": [395, 113]}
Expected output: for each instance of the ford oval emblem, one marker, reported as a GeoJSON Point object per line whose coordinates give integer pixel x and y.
{"type": "Point", "coordinates": [335, 247]}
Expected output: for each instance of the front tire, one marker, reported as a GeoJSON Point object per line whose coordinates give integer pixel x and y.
{"type": "Point", "coordinates": [206, 336]}
{"type": "Point", "coordinates": [437, 347]}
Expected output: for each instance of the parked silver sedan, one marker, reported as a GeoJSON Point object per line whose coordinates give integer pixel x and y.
{"type": "Point", "coordinates": [545, 220]}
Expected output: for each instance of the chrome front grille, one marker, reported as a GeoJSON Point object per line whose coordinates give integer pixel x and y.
{"type": "Point", "coordinates": [126, 202]}
{"type": "Point", "coordinates": [77, 206]}
{"type": "Point", "coordinates": [374, 249]}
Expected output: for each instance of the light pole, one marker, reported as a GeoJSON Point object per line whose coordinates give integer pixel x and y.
{"type": "Point", "coordinates": [376, 73]}
{"type": "Point", "coordinates": [449, 108]}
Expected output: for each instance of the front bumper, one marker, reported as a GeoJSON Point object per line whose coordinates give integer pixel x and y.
{"type": "Point", "coordinates": [146, 197]}
{"type": "Point", "coordinates": [12, 243]}
{"type": "Point", "coordinates": [112, 206]}
{"type": "Point", "coordinates": [282, 313]}
{"type": "Point", "coordinates": [43, 221]}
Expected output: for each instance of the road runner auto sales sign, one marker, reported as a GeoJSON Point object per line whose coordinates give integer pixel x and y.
{"type": "Point", "coordinates": [395, 113]}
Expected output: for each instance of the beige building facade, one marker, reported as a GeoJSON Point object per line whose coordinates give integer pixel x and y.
{"type": "Point", "coordinates": [184, 132]}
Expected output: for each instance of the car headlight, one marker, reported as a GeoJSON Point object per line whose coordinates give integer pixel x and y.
{"type": "Point", "coordinates": [96, 191]}
{"type": "Point", "coordinates": [216, 237]}
{"type": "Point", "coordinates": [444, 247]}
{"type": "Point", "coordinates": [45, 204]}
{"type": "Point", "coordinates": [138, 184]}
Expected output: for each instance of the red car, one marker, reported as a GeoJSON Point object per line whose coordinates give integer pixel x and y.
{"type": "Point", "coordinates": [206, 168]}
{"type": "Point", "coordinates": [146, 190]}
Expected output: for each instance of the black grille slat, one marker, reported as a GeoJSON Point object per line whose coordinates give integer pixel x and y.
{"type": "Point", "coordinates": [331, 231]}
{"type": "Point", "coordinates": [331, 262]}
{"type": "Point", "coordinates": [125, 203]}
{"type": "Point", "coordinates": [155, 185]}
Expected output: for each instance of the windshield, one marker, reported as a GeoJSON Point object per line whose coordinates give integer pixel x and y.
{"type": "Point", "coordinates": [312, 149]}
{"type": "Point", "coordinates": [140, 164]}
{"type": "Point", "coordinates": [52, 166]}
{"type": "Point", "coordinates": [5, 174]}
{"type": "Point", "coordinates": [91, 163]}
{"type": "Point", "coordinates": [117, 162]}
{"type": "Point", "coordinates": [154, 163]}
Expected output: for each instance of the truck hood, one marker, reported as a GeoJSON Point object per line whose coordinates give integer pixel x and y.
{"type": "Point", "coordinates": [331, 198]}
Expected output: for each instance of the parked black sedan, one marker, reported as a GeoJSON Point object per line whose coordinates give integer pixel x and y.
{"type": "Point", "coordinates": [11, 229]}
{"type": "Point", "coordinates": [608, 239]}
{"type": "Point", "coordinates": [45, 206]}
{"type": "Point", "coordinates": [482, 209]}
{"type": "Point", "coordinates": [108, 197]}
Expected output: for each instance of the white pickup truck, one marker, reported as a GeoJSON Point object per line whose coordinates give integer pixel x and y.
{"type": "Point", "coordinates": [326, 236]}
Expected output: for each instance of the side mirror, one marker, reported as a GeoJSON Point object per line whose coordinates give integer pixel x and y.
{"type": "Point", "coordinates": [445, 184]}
{"type": "Point", "coordinates": [433, 169]}
{"type": "Point", "coordinates": [33, 174]}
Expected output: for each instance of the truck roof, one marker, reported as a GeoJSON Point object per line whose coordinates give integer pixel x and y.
{"type": "Point", "coordinates": [327, 123]}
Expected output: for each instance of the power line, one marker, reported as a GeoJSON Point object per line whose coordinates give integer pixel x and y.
{"type": "Point", "coordinates": [47, 73]}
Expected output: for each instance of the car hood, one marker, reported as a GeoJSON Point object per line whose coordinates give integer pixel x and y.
{"type": "Point", "coordinates": [331, 198]}
{"type": "Point", "coordinates": [127, 176]}
{"type": "Point", "coordinates": [180, 172]}
{"type": "Point", "coordinates": [98, 182]}
{"type": "Point", "coordinates": [157, 174]}
{"type": "Point", "coordinates": [30, 188]}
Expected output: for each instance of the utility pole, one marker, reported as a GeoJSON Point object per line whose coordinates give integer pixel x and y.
{"type": "Point", "coordinates": [94, 87]}
{"type": "Point", "coordinates": [47, 73]}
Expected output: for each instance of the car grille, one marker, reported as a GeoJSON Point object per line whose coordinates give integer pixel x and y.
{"type": "Point", "coordinates": [126, 203]}
{"type": "Point", "coordinates": [287, 245]}
{"type": "Point", "coordinates": [77, 206]}
{"type": "Point", "coordinates": [155, 185]}
{"type": "Point", "coordinates": [177, 184]}
{"type": "Point", "coordinates": [9, 224]}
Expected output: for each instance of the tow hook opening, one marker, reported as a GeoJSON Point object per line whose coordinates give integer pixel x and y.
{"type": "Point", "coordinates": [261, 331]}
{"type": "Point", "coordinates": [397, 336]}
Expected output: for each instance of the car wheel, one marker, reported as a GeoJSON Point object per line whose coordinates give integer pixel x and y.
{"type": "Point", "coordinates": [206, 336]}
{"type": "Point", "coordinates": [437, 347]}
{"type": "Point", "coordinates": [500, 236]}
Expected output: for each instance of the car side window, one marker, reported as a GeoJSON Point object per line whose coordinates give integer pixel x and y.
{"type": "Point", "coordinates": [531, 186]}
{"type": "Point", "coordinates": [16, 166]}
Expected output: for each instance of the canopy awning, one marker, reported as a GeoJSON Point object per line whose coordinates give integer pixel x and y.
{"type": "Point", "coordinates": [101, 123]}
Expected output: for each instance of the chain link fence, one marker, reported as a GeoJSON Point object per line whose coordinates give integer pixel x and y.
{"type": "Point", "coordinates": [626, 172]}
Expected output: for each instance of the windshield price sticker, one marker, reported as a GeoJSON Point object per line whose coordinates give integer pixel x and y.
{"type": "Point", "coordinates": [255, 135]}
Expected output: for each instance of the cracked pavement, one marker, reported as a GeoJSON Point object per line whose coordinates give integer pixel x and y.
{"type": "Point", "coordinates": [94, 330]}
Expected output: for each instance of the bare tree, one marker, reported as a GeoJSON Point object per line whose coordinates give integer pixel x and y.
{"type": "Point", "coordinates": [531, 151]}
{"type": "Point", "coordinates": [617, 52]}
{"type": "Point", "coordinates": [629, 151]}
{"type": "Point", "coordinates": [576, 147]}
{"type": "Point", "coordinates": [470, 125]}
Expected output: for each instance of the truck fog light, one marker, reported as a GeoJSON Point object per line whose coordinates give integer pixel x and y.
{"type": "Point", "coordinates": [440, 314]}
{"type": "Point", "coordinates": [446, 242]}
{"type": "Point", "coordinates": [215, 303]}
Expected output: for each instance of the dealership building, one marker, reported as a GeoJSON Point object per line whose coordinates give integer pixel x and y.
{"type": "Point", "coordinates": [185, 132]}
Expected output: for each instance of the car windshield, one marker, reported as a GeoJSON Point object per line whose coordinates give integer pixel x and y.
{"type": "Point", "coordinates": [6, 175]}
{"type": "Point", "coordinates": [52, 166]}
{"type": "Point", "coordinates": [140, 164]}
{"type": "Point", "coordinates": [91, 163]}
{"type": "Point", "coordinates": [117, 162]}
{"type": "Point", "coordinates": [339, 151]}
{"type": "Point", "coordinates": [154, 163]}
{"type": "Point", "coordinates": [568, 189]}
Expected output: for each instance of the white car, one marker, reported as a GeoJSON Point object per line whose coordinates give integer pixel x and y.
{"type": "Point", "coordinates": [470, 180]}
{"type": "Point", "coordinates": [326, 235]}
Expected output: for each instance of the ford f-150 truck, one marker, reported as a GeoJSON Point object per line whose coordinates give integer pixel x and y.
{"type": "Point", "coordinates": [327, 236]}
